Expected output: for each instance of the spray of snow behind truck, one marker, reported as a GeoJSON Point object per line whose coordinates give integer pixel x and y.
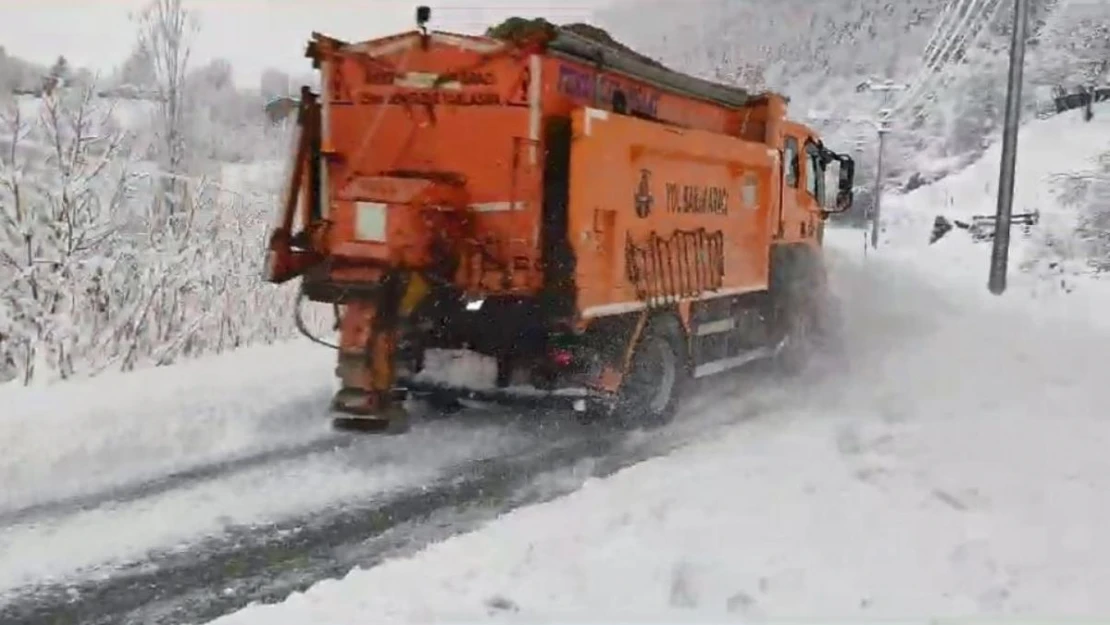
{"type": "Point", "coordinates": [604, 228]}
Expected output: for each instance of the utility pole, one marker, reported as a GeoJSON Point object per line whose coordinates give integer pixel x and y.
{"type": "Point", "coordinates": [883, 126]}
{"type": "Point", "coordinates": [1001, 245]}
{"type": "Point", "coordinates": [860, 143]}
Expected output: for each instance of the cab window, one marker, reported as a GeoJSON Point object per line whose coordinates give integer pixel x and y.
{"type": "Point", "coordinates": [790, 162]}
{"type": "Point", "coordinates": [815, 174]}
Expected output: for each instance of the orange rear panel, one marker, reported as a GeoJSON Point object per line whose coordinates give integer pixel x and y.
{"type": "Point", "coordinates": [441, 143]}
{"type": "Point", "coordinates": [416, 159]}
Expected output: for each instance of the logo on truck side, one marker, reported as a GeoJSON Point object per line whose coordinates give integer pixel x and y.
{"type": "Point", "coordinates": [643, 198]}
{"type": "Point", "coordinates": [696, 199]}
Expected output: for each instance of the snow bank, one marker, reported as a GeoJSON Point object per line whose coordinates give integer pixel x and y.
{"type": "Point", "coordinates": [97, 433]}
{"type": "Point", "coordinates": [958, 466]}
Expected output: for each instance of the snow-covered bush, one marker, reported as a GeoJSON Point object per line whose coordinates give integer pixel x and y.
{"type": "Point", "coordinates": [134, 211]}
{"type": "Point", "coordinates": [92, 277]}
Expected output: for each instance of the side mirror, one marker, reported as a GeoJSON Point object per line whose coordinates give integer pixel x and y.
{"type": "Point", "coordinates": [846, 182]}
{"type": "Point", "coordinates": [845, 185]}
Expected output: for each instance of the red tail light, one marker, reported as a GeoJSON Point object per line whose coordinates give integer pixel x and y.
{"type": "Point", "coordinates": [561, 357]}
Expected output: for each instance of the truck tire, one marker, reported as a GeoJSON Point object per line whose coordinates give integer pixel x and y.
{"type": "Point", "coordinates": [796, 292]}
{"type": "Point", "coordinates": [799, 337]}
{"type": "Point", "coordinates": [813, 323]}
{"type": "Point", "coordinates": [657, 376]}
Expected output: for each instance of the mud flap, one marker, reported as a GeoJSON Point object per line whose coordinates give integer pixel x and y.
{"type": "Point", "coordinates": [359, 412]}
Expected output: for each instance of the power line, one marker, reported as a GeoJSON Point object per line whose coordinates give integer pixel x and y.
{"type": "Point", "coordinates": [975, 17]}
{"type": "Point", "coordinates": [967, 38]}
{"type": "Point", "coordinates": [957, 10]}
{"type": "Point", "coordinates": [944, 23]}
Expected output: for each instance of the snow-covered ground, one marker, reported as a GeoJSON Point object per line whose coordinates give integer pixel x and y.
{"type": "Point", "coordinates": [243, 438]}
{"type": "Point", "coordinates": [107, 431]}
{"type": "Point", "coordinates": [956, 466]}
{"type": "Point", "coordinates": [103, 539]}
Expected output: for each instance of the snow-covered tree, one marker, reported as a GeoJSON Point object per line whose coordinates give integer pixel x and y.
{"type": "Point", "coordinates": [166, 31]}
{"type": "Point", "coordinates": [137, 70]}
{"type": "Point", "coordinates": [91, 276]}
{"type": "Point", "coordinates": [275, 83]}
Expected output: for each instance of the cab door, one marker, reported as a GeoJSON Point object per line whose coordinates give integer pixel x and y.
{"type": "Point", "coordinates": [813, 200]}
{"type": "Point", "coordinates": [793, 191]}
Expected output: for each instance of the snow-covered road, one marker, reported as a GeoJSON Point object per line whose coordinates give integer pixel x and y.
{"type": "Point", "coordinates": [957, 467]}
{"type": "Point", "coordinates": [186, 513]}
{"type": "Point", "coordinates": [157, 460]}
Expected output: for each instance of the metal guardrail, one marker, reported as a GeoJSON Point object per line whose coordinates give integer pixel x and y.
{"type": "Point", "coordinates": [982, 227]}
{"type": "Point", "coordinates": [1083, 98]}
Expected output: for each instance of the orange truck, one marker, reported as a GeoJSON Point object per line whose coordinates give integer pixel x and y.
{"type": "Point", "coordinates": [601, 227]}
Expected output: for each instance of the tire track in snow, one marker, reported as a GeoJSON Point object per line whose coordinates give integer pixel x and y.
{"type": "Point", "coordinates": [181, 478]}
{"type": "Point", "coordinates": [267, 562]}
{"type": "Point", "coordinates": [135, 491]}
{"type": "Point", "coordinates": [249, 558]}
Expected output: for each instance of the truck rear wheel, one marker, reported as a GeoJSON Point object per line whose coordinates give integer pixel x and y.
{"type": "Point", "coordinates": [656, 377]}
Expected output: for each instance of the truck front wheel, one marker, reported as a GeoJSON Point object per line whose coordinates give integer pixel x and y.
{"type": "Point", "coordinates": [799, 337]}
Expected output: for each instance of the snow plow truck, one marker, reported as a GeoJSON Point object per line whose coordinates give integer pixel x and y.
{"type": "Point", "coordinates": [601, 227]}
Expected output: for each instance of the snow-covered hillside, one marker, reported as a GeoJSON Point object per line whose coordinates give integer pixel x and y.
{"type": "Point", "coordinates": [127, 115]}
{"type": "Point", "coordinates": [953, 53]}
{"type": "Point", "coordinates": [1062, 167]}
